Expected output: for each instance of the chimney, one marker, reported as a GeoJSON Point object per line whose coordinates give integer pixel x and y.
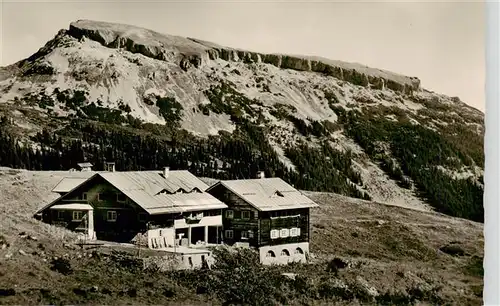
{"type": "Point", "coordinates": [110, 167]}
{"type": "Point", "coordinates": [261, 175]}
{"type": "Point", "coordinates": [165, 172]}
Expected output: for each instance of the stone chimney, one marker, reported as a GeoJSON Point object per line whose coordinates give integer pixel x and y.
{"type": "Point", "coordinates": [166, 171]}
{"type": "Point", "coordinates": [261, 175]}
{"type": "Point", "coordinates": [109, 166]}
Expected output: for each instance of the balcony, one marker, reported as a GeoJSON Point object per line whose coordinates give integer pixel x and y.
{"type": "Point", "coordinates": [190, 219]}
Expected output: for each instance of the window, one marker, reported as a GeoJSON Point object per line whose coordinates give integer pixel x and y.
{"type": "Point", "coordinates": [77, 215]}
{"type": "Point", "coordinates": [285, 252]}
{"type": "Point", "coordinates": [246, 234]}
{"type": "Point", "coordinates": [274, 234]}
{"type": "Point", "coordinates": [270, 254]}
{"type": "Point", "coordinates": [284, 232]}
{"type": "Point", "coordinates": [84, 196]}
{"type": "Point", "coordinates": [98, 197]}
{"type": "Point", "coordinates": [245, 215]}
{"type": "Point", "coordinates": [111, 216]}
{"type": "Point", "coordinates": [229, 214]}
{"type": "Point", "coordinates": [120, 197]}
{"type": "Point", "coordinates": [229, 234]}
{"type": "Point", "coordinates": [299, 251]}
{"type": "Point", "coordinates": [294, 232]}
{"type": "Point", "coordinates": [60, 214]}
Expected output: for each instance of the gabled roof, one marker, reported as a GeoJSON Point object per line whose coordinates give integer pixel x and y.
{"type": "Point", "coordinates": [157, 194]}
{"type": "Point", "coordinates": [153, 182]}
{"type": "Point", "coordinates": [267, 194]}
{"type": "Point", "coordinates": [68, 183]}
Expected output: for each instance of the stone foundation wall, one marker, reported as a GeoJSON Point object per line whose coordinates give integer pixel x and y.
{"type": "Point", "coordinates": [284, 253]}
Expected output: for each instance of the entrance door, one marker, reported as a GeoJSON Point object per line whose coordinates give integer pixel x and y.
{"type": "Point", "coordinates": [197, 234]}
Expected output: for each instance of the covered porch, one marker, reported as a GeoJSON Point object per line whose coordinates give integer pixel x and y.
{"type": "Point", "coordinates": [75, 216]}
{"type": "Point", "coordinates": [199, 235]}
{"type": "Point", "coordinates": [188, 237]}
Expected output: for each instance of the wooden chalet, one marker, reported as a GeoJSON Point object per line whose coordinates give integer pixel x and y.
{"type": "Point", "coordinates": [170, 207]}
{"type": "Point", "coordinates": [268, 214]}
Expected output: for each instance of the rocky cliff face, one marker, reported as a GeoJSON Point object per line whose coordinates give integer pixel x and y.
{"type": "Point", "coordinates": [193, 52]}
{"type": "Point", "coordinates": [344, 127]}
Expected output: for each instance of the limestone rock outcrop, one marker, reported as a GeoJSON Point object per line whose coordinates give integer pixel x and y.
{"type": "Point", "coordinates": [190, 52]}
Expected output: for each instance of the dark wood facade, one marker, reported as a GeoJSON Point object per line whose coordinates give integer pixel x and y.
{"type": "Point", "coordinates": [242, 222]}
{"type": "Point", "coordinates": [118, 218]}
{"type": "Point", "coordinates": [284, 219]}
{"type": "Point", "coordinates": [65, 218]}
{"type": "Point", "coordinates": [115, 217]}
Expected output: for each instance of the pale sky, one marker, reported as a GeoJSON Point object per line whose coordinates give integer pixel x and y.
{"type": "Point", "coordinates": [442, 43]}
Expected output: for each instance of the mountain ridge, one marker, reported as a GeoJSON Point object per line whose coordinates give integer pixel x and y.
{"type": "Point", "coordinates": [121, 35]}
{"type": "Point", "coordinates": [323, 126]}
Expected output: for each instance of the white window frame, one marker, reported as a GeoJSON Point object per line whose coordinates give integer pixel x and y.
{"type": "Point", "coordinates": [85, 196]}
{"type": "Point", "coordinates": [113, 213]}
{"type": "Point", "coordinates": [245, 212]}
{"type": "Point", "coordinates": [118, 198]}
{"type": "Point", "coordinates": [77, 213]}
{"type": "Point", "coordinates": [294, 232]}
{"type": "Point", "coordinates": [229, 234]}
{"type": "Point", "coordinates": [229, 214]}
{"type": "Point", "coordinates": [284, 233]}
{"type": "Point", "coordinates": [275, 234]}
{"type": "Point", "coordinates": [246, 234]}
{"type": "Point", "coordinates": [98, 197]}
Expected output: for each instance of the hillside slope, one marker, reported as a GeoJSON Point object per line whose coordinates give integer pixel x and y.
{"type": "Point", "coordinates": [397, 254]}
{"type": "Point", "coordinates": [147, 100]}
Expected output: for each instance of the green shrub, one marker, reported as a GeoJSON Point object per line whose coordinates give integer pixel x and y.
{"type": "Point", "coordinates": [170, 109]}
{"type": "Point", "coordinates": [237, 277]}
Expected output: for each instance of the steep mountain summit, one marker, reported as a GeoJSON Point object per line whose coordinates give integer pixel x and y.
{"type": "Point", "coordinates": [148, 100]}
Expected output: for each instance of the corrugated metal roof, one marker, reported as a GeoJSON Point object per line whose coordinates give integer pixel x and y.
{"type": "Point", "coordinates": [153, 182]}
{"type": "Point", "coordinates": [73, 206]}
{"type": "Point", "coordinates": [145, 188]}
{"type": "Point", "coordinates": [68, 183]}
{"type": "Point", "coordinates": [268, 194]}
